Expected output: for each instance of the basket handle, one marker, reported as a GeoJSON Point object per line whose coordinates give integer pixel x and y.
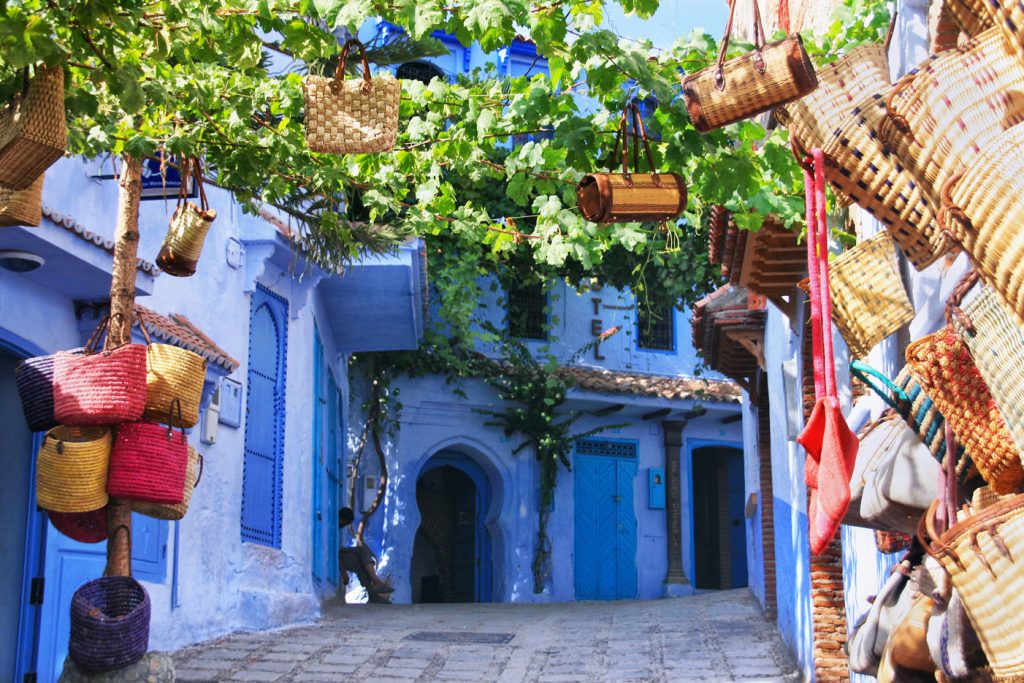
{"type": "Point", "coordinates": [175, 403]}
{"type": "Point", "coordinates": [759, 43]}
{"type": "Point", "coordinates": [898, 120]}
{"type": "Point", "coordinates": [950, 211]}
{"type": "Point", "coordinates": [142, 328]}
{"type": "Point", "coordinates": [199, 475]}
{"type": "Point", "coordinates": [339, 71]}
{"type": "Point", "coordinates": [869, 375]}
{"type": "Point", "coordinates": [197, 173]}
{"type": "Point", "coordinates": [631, 115]}
{"type": "Point", "coordinates": [956, 299]}
{"type": "Point", "coordinates": [94, 338]}
{"type": "Point", "coordinates": [892, 29]}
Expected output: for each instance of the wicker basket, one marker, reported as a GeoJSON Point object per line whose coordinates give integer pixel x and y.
{"type": "Point", "coordinates": [867, 171]}
{"type": "Point", "coordinates": [109, 623]}
{"type": "Point", "coordinates": [173, 374]}
{"type": "Point", "coordinates": [84, 527]}
{"type": "Point", "coordinates": [973, 16]}
{"type": "Point", "coordinates": [984, 555]}
{"type": "Point", "coordinates": [33, 130]}
{"type": "Point", "coordinates": [34, 379]}
{"type": "Point", "coordinates": [1008, 15]}
{"type": "Point", "coordinates": [193, 476]}
{"type": "Point", "coordinates": [841, 85]}
{"type": "Point", "coordinates": [868, 299]}
{"type": "Point", "coordinates": [148, 463]}
{"type": "Point", "coordinates": [940, 116]}
{"type": "Point", "coordinates": [186, 234]}
{"type": "Point", "coordinates": [22, 207]}
{"type": "Point", "coordinates": [944, 367]}
{"type": "Point", "coordinates": [351, 116]}
{"type": "Point", "coordinates": [71, 469]}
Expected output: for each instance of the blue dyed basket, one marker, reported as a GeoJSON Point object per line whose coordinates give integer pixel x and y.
{"type": "Point", "coordinates": [34, 379]}
{"type": "Point", "coordinates": [109, 623]}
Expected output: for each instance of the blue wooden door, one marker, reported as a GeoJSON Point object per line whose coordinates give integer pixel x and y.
{"type": "Point", "coordinates": [263, 465]}
{"type": "Point", "coordinates": [333, 471]}
{"type": "Point", "coordinates": [605, 528]}
{"type": "Point", "coordinates": [737, 519]}
{"type": "Point", "coordinates": [319, 408]}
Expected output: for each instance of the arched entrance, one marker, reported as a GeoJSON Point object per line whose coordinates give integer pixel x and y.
{"type": "Point", "coordinates": [451, 559]}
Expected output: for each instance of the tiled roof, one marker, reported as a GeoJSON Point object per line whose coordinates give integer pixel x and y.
{"type": "Point", "coordinates": [78, 230]}
{"type": "Point", "coordinates": [180, 331]}
{"type": "Point", "coordinates": [656, 386]}
{"type": "Point", "coordinates": [728, 329]}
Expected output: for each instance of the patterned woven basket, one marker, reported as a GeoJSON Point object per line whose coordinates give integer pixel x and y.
{"type": "Point", "coordinates": [942, 114]}
{"type": "Point", "coordinates": [173, 374]}
{"type": "Point", "coordinates": [867, 171]}
{"type": "Point", "coordinates": [34, 379]}
{"type": "Point", "coordinates": [174, 512]}
{"type": "Point", "coordinates": [982, 209]}
{"type": "Point", "coordinates": [71, 469]}
{"type": "Point", "coordinates": [109, 623]}
{"type": "Point", "coordinates": [148, 463]}
{"type": "Point", "coordinates": [973, 16]}
{"type": "Point", "coordinates": [33, 130]}
{"type": "Point", "coordinates": [183, 244]}
{"type": "Point", "coordinates": [984, 555]}
{"type": "Point", "coordinates": [84, 527]}
{"type": "Point", "coordinates": [868, 299]}
{"type": "Point", "coordinates": [344, 117]}
{"type": "Point", "coordinates": [996, 343]}
{"type": "Point", "coordinates": [942, 364]}
{"type": "Point", "coordinates": [841, 85]}
{"type": "Point", "coordinates": [22, 207]}
{"type": "Point", "coordinates": [1008, 15]}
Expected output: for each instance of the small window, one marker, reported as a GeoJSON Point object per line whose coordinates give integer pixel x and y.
{"type": "Point", "coordinates": [423, 72]}
{"type": "Point", "coordinates": [655, 330]}
{"type": "Point", "coordinates": [527, 311]}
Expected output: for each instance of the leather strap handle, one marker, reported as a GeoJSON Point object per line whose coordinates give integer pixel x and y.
{"type": "Point", "coordinates": [339, 71]}
{"type": "Point", "coordinates": [956, 299]}
{"type": "Point", "coordinates": [759, 43]}
{"type": "Point", "coordinates": [898, 120]}
{"type": "Point", "coordinates": [639, 134]}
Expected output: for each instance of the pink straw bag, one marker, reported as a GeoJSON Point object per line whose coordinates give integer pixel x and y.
{"type": "Point", "coordinates": [148, 462]}
{"type": "Point", "coordinates": [830, 444]}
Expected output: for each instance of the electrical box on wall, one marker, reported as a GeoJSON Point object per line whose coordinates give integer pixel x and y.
{"type": "Point", "coordinates": [230, 392]}
{"type": "Point", "coordinates": [208, 428]}
{"type": "Point", "coordinates": [369, 491]}
{"type": "Point", "coordinates": [656, 488]}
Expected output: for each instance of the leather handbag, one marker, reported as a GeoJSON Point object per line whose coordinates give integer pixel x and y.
{"type": "Point", "coordinates": [867, 641]}
{"type": "Point", "coordinates": [629, 197]}
{"type": "Point", "coordinates": [730, 91]}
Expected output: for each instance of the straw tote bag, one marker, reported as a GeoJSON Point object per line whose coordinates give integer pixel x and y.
{"type": "Point", "coordinates": [33, 129]}
{"type": "Point", "coordinates": [22, 207]}
{"type": "Point", "coordinates": [193, 475]}
{"type": "Point", "coordinates": [733, 90]}
{"type": "Point", "coordinates": [174, 376]}
{"type": "Point", "coordinates": [344, 116]}
{"type": "Point", "coordinates": [109, 623]}
{"type": "Point", "coordinates": [631, 196]}
{"type": "Point", "coordinates": [869, 301]}
{"type": "Point", "coordinates": [148, 463]}
{"type": "Point", "coordinates": [71, 469]}
{"type": "Point", "coordinates": [944, 367]}
{"type": "Point", "coordinates": [982, 208]}
{"type": "Point", "coordinates": [1008, 15]}
{"type": "Point", "coordinates": [984, 555]}
{"type": "Point", "coordinates": [940, 115]}
{"type": "Point", "coordinates": [100, 388]}
{"type": "Point", "coordinates": [183, 244]}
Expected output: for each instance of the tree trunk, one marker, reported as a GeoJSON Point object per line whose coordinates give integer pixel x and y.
{"type": "Point", "coordinates": [122, 301]}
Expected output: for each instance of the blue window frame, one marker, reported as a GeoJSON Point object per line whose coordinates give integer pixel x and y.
{"type": "Point", "coordinates": [264, 419]}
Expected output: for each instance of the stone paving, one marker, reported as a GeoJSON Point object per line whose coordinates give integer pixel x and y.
{"type": "Point", "coordinates": [710, 637]}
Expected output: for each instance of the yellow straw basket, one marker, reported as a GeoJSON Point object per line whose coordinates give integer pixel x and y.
{"type": "Point", "coordinates": [1008, 15]}
{"type": "Point", "coordinates": [174, 512]}
{"type": "Point", "coordinates": [22, 207]}
{"type": "Point", "coordinates": [33, 129]}
{"type": "Point", "coordinates": [71, 469]}
{"type": "Point", "coordinates": [862, 167]}
{"type": "Point", "coordinates": [868, 299]}
{"type": "Point", "coordinates": [984, 555]}
{"type": "Point", "coordinates": [972, 15]}
{"type": "Point", "coordinates": [941, 115]}
{"type": "Point", "coordinates": [984, 210]}
{"type": "Point", "coordinates": [173, 374]}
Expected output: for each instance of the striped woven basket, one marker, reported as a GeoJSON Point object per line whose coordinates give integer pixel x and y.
{"type": "Point", "coordinates": [22, 207]}
{"type": "Point", "coordinates": [1008, 15]}
{"type": "Point", "coordinates": [984, 556]}
{"type": "Point", "coordinates": [71, 469]}
{"type": "Point", "coordinates": [996, 343]}
{"type": "Point", "coordinates": [973, 16]}
{"type": "Point", "coordinates": [868, 299]}
{"type": "Point", "coordinates": [942, 114]}
{"type": "Point", "coordinates": [862, 167]}
{"type": "Point", "coordinates": [174, 512]}
{"type": "Point", "coordinates": [841, 85]}
{"type": "Point", "coordinates": [942, 364]}
{"type": "Point", "coordinates": [33, 130]}
{"type": "Point", "coordinates": [983, 210]}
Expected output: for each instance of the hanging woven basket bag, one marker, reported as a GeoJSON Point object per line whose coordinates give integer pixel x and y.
{"type": "Point", "coordinates": [22, 207]}
{"type": "Point", "coordinates": [173, 374]}
{"type": "Point", "coordinates": [34, 379]}
{"type": "Point", "coordinates": [33, 129]}
{"type": "Point", "coordinates": [973, 16]}
{"type": "Point", "coordinates": [175, 512]}
{"type": "Point", "coordinates": [100, 387]}
{"type": "Point", "coordinates": [351, 116]}
{"type": "Point", "coordinates": [109, 624]}
{"type": "Point", "coordinates": [183, 244]}
{"type": "Point", "coordinates": [148, 462]}
{"type": "Point", "coordinates": [71, 469]}
{"type": "Point", "coordinates": [84, 527]}
{"type": "Point", "coordinates": [1008, 16]}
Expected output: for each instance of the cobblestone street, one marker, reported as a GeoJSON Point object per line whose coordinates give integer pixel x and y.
{"type": "Point", "coordinates": [712, 637]}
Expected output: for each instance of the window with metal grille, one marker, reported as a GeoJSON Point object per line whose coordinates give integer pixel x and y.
{"type": "Point", "coordinates": [655, 329]}
{"type": "Point", "coordinates": [607, 448]}
{"type": "Point", "coordinates": [419, 71]}
{"type": "Point", "coordinates": [527, 311]}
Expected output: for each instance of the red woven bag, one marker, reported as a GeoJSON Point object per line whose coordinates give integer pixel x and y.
{"type": "Point", "coordinates": [149, 462]}
{"type": "Point", "coordinates": [105, 388]}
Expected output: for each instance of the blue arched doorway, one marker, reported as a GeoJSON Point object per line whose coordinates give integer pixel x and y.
{"type": "Point", "coordinates": [452, 558]}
